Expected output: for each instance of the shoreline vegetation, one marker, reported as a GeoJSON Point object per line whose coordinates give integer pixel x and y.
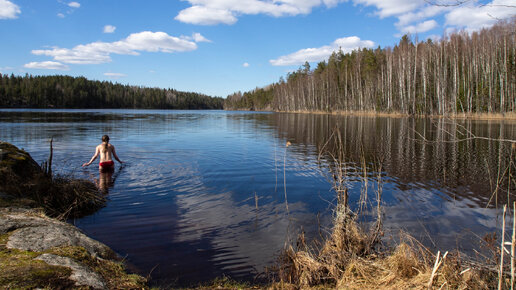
{"type": "Point", "coordinates": [460, 74]}
{"type": "Point", "coordinates": [467, 116]}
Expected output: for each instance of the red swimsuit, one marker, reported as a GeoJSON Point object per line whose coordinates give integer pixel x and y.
{"type": "Point", "coordinates": [107, 164]}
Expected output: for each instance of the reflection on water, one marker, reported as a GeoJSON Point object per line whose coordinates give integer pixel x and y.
{"type": "Point", "coordinates": [202, 192]}
{"type": "Point", "coordinates": [442, 180]}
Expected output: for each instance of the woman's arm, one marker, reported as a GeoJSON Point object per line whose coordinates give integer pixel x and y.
{"type": "Point", "coordinates": [93, 158]}
{"type": "Point", "coordinates": [116, 156]}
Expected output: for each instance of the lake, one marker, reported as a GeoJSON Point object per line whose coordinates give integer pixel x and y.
{"type": "Point", "coordinates": [206, 193]}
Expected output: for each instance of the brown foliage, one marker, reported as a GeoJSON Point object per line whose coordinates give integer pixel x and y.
{"type": "Point", "coordinates": [59, 196]}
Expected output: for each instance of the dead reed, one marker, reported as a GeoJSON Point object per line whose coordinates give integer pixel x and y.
{"type": "Point", "coordinates": [60, 196]}
{"type": "Point", "coordinates": [349, 256]}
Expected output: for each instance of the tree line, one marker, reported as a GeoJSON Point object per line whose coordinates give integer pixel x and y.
{"type": "Point", "coordinates": [78, 92]}
{"type": "Point", "coordinates": [461, 73]}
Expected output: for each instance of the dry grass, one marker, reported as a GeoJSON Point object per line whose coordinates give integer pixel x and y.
{"type": "Point", "coordinates": [60, 197]}
{"type": "Point", "coordinates": [67, 197]}
{"type": "Point", "coordinates": [23, 180]}
{"type": "Point", "coordinates": [344, 262]}
{"type": "Point", "coordinates": [346, 243]}
{"type": "Point", "coordinates": [349, 257]}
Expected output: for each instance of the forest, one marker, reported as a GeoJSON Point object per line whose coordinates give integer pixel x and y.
{"type": "Point", "coordinates": [462, 73]}
{"type": "Point", "coordinates": [78, 92]}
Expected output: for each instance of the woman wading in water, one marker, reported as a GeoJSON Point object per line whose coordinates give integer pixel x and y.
{"type": "Point", "coordinates": [106, 152]}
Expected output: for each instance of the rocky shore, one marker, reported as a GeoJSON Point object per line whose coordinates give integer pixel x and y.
{"type": "Point", "coordinates": [38, 251]}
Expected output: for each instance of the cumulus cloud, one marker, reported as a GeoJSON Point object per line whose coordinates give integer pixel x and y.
{"type": "Point", "coordinates": [115, 75]}
{"type": "Point", "coordinates": [99, 52]}
{"type": "Point", "coordinates": [388, 8]}
{"type": "Point", "coordinates": [196, 37]}
{"type": "Point", "coordinates": [415, 16]}
{"type": "Point", "coordinates": [206, 16]}
{"type": "Point", "coordinates": [46, 65]}
{"type": "Point", "coordinates": [211, 12]}
{"type": "Point", "coordinates": [474, 17]}
{"type": "Point", "coordinates": [299, 57]}
{"type": "Point", "coordinates": [423, 13]}
{"type": "Point", "coordinates": [420, 27]}
{"type": "Point", "coordinates": [412, 14]}
{"type": "Point", "coordinates": [74, 4]}
{"type": "Point", "coordinates": [109, 29]}
{"type": "Point", "coordinates": [60, 15]}
{"type": "Point", "coordinates": [245, 64]}
{"type": "Point", "coordinates": [9, 10]}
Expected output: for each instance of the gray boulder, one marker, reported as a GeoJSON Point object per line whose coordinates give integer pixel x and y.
{"type": "Point", "coordinates": [81, 275]}
{"type": "Point", "coordinates": [32, 233]}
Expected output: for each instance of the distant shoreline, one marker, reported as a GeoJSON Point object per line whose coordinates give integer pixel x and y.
{"type": "Point", "coordinates": [465, 116]}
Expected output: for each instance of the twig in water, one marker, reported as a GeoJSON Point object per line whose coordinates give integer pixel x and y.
{"type": "Point", "coordinates": [502, 248]}
{"type": "Point", "coordinates": [49, 172]}
{"type": "Point", "coordinates": [284, 175]}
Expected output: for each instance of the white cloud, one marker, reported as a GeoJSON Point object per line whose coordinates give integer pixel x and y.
{"type": "Point", "coordinates": [109, 29]}
{"type": "Point", "coordinates": [206, 16]}
{"type": "Point", "coordinates": [474, 17]}
{"type": "Point", "coordinates": [115, 75]}
{"type": "Point", "coordinates": [415, 16]}
{"type": "Point", "coordinates": [245, 64]}
{"type": "Point", "coordinates": [60, 15]}
{"type": "Point", "coordinates": [423, 13]}
{"type": "Point", "coordinates": [211, 12]}
{"type": "Point", "coordinates": [9, 10]}
{"type": "Point", "coordinates": [197, 37]}
{"type": "Point", "coordinates": [420, 27]}
{"type": "Point", "coordinates": [74, 4]}
{"type": "Point", "coordinates": [47, 65]}
{"type": "Point", "coordinates": [99, 52]}
{"type": "Point", "coordinates": [299, 57]}
{"type": "Point", "coordinates": [388, 8]}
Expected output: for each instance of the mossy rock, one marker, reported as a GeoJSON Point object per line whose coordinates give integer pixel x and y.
{"type": "Point", "coordinates": [24, 184]}
{"type": "Point", "coordinates": [17, 162]}
{"type": "Point", "coordinates": [21, 271]}
{"type": "Point", "coordinates": [80, 263]}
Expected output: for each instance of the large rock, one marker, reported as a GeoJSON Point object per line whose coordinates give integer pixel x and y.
{"type": "Point", "coordinates": [37, 234]}
{"type": "Point", "coordinates": [15, 218]}
{"type": "Point", "coordinates": [42, 238]}
{"type": "Point", "coordinates": [83, 276]}
{"type": "Point", "coordinates": [16, 163]}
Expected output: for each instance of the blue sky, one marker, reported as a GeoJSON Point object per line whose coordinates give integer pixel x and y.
{"type": "Point", "coordinates": [215, 47]}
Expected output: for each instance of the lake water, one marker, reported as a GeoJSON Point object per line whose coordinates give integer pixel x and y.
{"type": "Point", "coordinates": [203, 192]}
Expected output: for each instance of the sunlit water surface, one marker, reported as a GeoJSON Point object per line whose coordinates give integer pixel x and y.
{"type": "Point", "coordinates": [203, 192]}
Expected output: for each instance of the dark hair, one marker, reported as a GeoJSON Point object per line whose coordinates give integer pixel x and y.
{"type": "Point", "coordinates": [105, 138]}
